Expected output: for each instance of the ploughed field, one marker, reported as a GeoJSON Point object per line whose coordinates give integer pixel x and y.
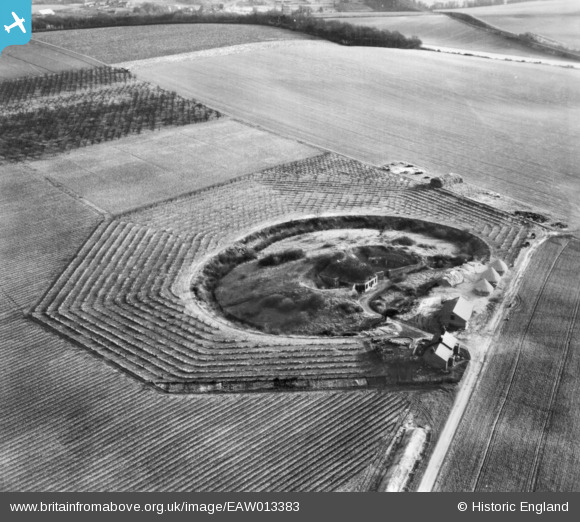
{"type": "Point", "coordinates": [115, 45]}
{"type": "Point", "coordinates": [71, 423]}
{"type": "Point", "coordinates": [126, 295]}
{"type": "Point", "coordinates": [509, 127]}
{"type": "Point", "coordinates": [520, 431]}
{"type": "Point", "coordinates": [555, 19]}
{"type": "Point", "coordinates": [439, 30]}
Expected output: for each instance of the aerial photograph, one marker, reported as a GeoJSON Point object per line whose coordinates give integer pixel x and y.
{"type": "Point", "coordinates": [290, 246]}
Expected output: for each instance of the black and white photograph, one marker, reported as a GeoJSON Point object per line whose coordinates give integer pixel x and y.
{"type": "Point", "coordinates": [290, 246]}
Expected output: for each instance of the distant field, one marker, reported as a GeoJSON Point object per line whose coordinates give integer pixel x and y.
{"type": "Point", "coordinates": [521, 430]}
{"type": "Point", "coordinates": [122, 44]}
{"type": "Point", "coordinates": [509, 127]}
{"type": "Point", "coordinates": [36, 58]}
{"type": "Point", "coordinates": [441, 31]}
{"type": "Point", "coordinates": [556, 19]}
{"type": "Point", "coordinates": [125, 174]}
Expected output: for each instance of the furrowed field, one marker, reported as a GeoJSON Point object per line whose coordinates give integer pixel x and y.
{"type": "Point", "coordinates": [105, 232]}
{"type": "Point", "coordinates": [112, 45]}
{"type": "Point", "coordinates": [521, 429]}
{"type": "Point", "coordinates": [439, 30]}
{"type": "Point", "coordinates": [555, 19]}
{"type": "Point", "coordinates": [509, 127]}
{"type": "Point", "coordinates": [71, 423]}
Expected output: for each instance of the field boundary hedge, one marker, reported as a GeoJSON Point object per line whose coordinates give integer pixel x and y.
{"type": "Point", "coordinates": [527, 39]}
{"type": "Point", "coordinates": [338, 32]}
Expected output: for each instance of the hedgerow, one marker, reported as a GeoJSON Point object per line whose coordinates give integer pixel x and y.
{"type": "Point", "coordinates": [338, 32]}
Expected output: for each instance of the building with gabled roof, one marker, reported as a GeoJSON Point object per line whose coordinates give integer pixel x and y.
{"type": "Point", "coordinates": [439, 356]}
{"type": "Point", "coordinates": [456, 313]}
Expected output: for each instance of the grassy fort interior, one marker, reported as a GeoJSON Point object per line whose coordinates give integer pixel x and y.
{"type": "Point", "coordinates": [317, 276]}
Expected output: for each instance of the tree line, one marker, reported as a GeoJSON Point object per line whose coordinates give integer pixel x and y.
{"type": "Point", "coordinates": [339, 32]}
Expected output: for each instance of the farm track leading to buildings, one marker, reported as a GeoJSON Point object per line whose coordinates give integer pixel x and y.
{"type": "Point", "coordinates": [518, 424]}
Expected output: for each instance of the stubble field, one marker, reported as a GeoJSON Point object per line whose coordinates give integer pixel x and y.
{"type": "Point", "coordinates": [508, 127]}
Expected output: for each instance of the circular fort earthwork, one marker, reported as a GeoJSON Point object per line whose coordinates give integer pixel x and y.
{"type": "Point", "coordinates": [331, 275]}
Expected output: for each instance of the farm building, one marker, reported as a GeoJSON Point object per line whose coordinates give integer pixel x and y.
{"type": "Point", "coordinates": [483, 287]}
{"type": "Point", "coordinates": [499, 266]}
{"type": "Point", "coordinates": [491, 276]}
{"type": "Point", "coordinates": [350, 271]}
{"type": "Point", "coordinates": [456, 313]}
{"type": "Point", "coordinates": [440, 356]}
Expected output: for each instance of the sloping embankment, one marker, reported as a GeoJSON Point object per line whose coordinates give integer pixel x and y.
{"type": "Point", "coordinates": [528, 39]}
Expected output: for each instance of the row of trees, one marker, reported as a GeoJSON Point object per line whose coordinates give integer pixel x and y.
{"type": "Point", "coordinates": [65, 119]}
{"type": "Point", "coordinates": [75, 80]}
{"type": "Point", "coordinates": [338, 32]}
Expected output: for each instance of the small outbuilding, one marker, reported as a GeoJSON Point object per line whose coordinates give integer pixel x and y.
{"type": "Point", "coordinates": [456, 313]}
{"type": "Point", "coordinates": [449, 340]}
{"type": "Point", "coordinates": [499, 266]}
{"type": "Point", "coordinates": [483, 287]}
{"type": "Point", "coordinates": [491, 276]}
{"type": "Point", "coordinates": [352, 272]}
{"type": "Point", "coordinates": [439, 356]}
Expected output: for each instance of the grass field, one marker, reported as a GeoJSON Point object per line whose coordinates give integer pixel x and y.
{"type": "Point", "coordinates": [555, 19]}
{"type": "Point", "coordinates": [37, 58]}
{"type": "Point", "coordinates": [116, 45]}
{"type": "Point", "coordinates": [520, 431]}
{"type": "Point", "coordinates": [509, 127]}
{"type": "Point", "coordinates": [441, 31]}
{"type": "Point", "coordinates": [125, 174]}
